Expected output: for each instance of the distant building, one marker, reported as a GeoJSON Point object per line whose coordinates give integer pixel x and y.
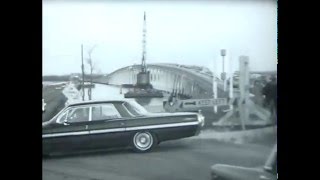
{"type": "Point", "coordinates": [75, 79]}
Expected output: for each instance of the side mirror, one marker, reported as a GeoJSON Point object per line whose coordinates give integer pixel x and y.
{"type": "Point", "coordinates": [65, 122]}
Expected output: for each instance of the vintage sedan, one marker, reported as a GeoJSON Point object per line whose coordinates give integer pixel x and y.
{"type": "Point", "coordinates": [96, 125]}
{"type": "Point", "coordinates": [229, 172]}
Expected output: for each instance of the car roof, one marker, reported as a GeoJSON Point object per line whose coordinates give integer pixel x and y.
{"type": "Point", "coordinates": [97, 102]}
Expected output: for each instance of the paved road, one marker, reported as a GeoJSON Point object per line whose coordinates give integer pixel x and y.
{"type": "Point", "coordinates": [185, 159]}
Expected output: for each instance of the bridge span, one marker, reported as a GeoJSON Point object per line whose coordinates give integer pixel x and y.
{"type": "Point", "coordinates": [192, 81]}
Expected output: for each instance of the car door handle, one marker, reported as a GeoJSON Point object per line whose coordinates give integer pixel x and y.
{"type": "Point", "coordinates": [262, 177]}
{"type": "Point", "coordinates": [66, 124]}
{"type": "Point", "coordinates": [122, 124]}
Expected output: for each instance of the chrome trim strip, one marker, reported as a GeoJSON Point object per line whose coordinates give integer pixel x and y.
{"type": "Point", "coordinates": [162, 126]}
{"type": "Point", "coordinates": [107, 130]}
{"type": "Point", "coordinates": [90, 113]}
{"type": "Point", "coordinates": [188, 119]}
{"type": "Point", "coordinates": [65, 134]}
{"type": "Point", "coordinates": [120, 129]}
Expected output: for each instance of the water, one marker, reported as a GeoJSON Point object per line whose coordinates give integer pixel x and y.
{"type": "Point", "coordinates": [50, 83]}
{"type": "Point", "coordinates": [107, 92]}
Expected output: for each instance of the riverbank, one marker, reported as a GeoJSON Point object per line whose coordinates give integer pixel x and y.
{"type": "Point", "coordinates": [54, 99]}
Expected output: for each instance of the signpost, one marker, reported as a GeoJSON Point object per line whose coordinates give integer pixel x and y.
{"type": "Point", "coordinates": [204, 102]}
{"type": "Point", "coordinates": [244, 89]}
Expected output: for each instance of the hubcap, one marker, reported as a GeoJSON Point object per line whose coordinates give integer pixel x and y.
{"type": "Point", "coordinates": [143, 141]}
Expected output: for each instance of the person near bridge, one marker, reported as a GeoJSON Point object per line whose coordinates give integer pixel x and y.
{"type": "Point", "coordinates": [270, 93]}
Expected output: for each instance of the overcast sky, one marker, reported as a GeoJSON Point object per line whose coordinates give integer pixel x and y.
{"type": "Point", "coordinates": [187, 33]}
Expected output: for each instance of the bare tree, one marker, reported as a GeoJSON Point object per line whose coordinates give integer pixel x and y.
{"type": "Point", "coordinates": [91, 66]}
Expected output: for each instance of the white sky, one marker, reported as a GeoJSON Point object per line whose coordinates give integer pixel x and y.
{"type": "Point", "coordinates": [187, 33]}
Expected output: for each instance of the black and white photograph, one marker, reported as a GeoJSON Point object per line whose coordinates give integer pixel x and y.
{"type": "Point", "coordinates": [143, 90]}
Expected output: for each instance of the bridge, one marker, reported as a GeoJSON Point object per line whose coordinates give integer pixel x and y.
{"type": "Point", "coordinates": [191, 81]}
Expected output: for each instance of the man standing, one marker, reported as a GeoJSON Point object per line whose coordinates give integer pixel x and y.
{"type": "Point", "coordinates": [270, 92]}
{"type": "Point", "coordinates": [257, 91]}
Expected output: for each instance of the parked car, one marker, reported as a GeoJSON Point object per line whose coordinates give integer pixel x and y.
{"type": "Point", "coordinates": [119, 123]}
{"type": "Point", "coordinates": [228, 172]}
{"type": "Point", "coordinates": [43, 106]}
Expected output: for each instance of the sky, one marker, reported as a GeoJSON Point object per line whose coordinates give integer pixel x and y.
{"type": "Point", "coordinates": [188, 32]}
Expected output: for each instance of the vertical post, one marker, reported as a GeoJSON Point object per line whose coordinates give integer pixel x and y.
{"type": "Point", "coordinates": [231, 83]}
{"type": "Point", "coordinates": [244, 89]}
{"type": "Point", "coordinates": [215, 91]}
{"type": "Point", "coordinates": [223, 74]}
{"type": "Point", "coordinates": [82, 67]}
{"type": "Point", "coordinates": [225, 85]}
{"type": "Point", "coordinates": [223, 63]}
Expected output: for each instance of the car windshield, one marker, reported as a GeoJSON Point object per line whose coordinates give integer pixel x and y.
{"type": "Point", "coordinates": [135, 108]}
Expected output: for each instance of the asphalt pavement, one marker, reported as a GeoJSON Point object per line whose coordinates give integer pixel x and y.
{"type": "Point", "coordinates": [184, 159]}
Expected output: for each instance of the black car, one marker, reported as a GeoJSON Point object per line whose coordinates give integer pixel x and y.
{"type": "Point", "coordinates": [107, 124]}
{"type": "Point", "coordinates": [228, 172]}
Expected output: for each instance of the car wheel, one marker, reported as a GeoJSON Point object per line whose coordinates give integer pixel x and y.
{"type": "Point", "coordinates": [143, 141]}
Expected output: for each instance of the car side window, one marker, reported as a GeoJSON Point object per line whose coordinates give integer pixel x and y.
{"type": "Point", "coordinates": [61, 118]}
{"type": "Point", "coordinates": [79, 114]}
{"type": "Point", "coordinates": [104, 111]}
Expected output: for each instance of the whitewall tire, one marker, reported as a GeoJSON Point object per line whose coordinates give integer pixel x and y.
{"type": "Point", "coordinates": [143, 141]}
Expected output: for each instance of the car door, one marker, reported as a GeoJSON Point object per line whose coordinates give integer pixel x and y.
{"type": "Point", "coordinates": [69, 132]}
{"type": "Point", "coordinates": [107, 127]}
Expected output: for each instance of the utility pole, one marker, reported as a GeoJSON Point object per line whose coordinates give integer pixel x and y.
{"type": "Point", "coordinates": [223, 74]}
{"type": "Point", "coordinates": [82, 67]}
{"type": "Point", "coordinates": [231, 82]}
{"type": "Point", "coordinates": [214, 87]}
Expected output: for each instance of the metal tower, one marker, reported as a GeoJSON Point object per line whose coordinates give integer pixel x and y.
{"type": "Point", "coordinates": [143, 63]}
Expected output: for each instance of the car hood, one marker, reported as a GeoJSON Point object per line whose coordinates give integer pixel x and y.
{"type": "Point", "coordinates": [45, 124]}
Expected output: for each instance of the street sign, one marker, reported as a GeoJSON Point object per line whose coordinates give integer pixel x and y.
{"type": "Point", "coordinates": [223, 52]}
{"type": "Point", "coordinates": [204, 102]}
{"type": "Point", "coordinates": [193, 104]}
{"type": "Point", "coordinates": [219, 101]}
